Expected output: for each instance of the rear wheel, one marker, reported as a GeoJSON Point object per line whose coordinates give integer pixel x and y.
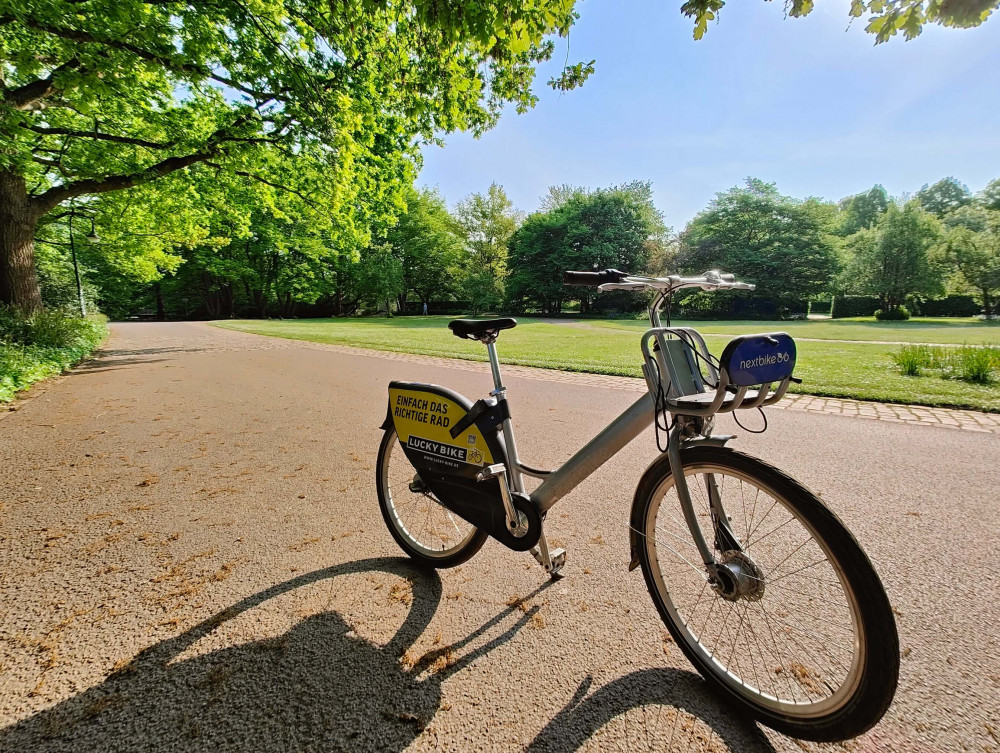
{"type": "Point", "coordinates": [425, 529]}
{"type": "Point", "coordinates": [799, 631]}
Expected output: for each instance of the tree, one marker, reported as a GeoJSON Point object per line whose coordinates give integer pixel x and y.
{"type": "Point", "coordinates": [105, 95]}
{"type": "Point", "coordinates": [971, 249]}
{"type": "Point", "coordinates": [891, 260]}
{"type": "Point", "coordinates": [887, 17]}
{"type": "Point", "coordinates": [862, 210]}
{"type": "Point", "coordinates": [943, 197]}
{"type": "Point", "coordinates": [616, 227]}
{"type": "Point", "coordinates": [989, 197]}
{"type": "Point", "coordinates": [428, 242]}
{"type": "Point", "coordinates": [489, 221]}
{"type": "Point", "coordinates": [782, 245]}
{"type": "Point", "coordinates": [380, 277]}
{"type": "Point", "coordinates": [559, 195]}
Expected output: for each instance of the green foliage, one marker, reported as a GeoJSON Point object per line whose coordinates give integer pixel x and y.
{"type": "Point", "coordinates": [911, 359]}
{"type": "Point", "coordinates": [947, 195]}
{"type": "Point", "coordinates": [950, 305]}
{"type": "Point", "coordinates": [380, 278]}
{"type": "Point", "coordinates": [607, 228]}
{"type": "Point", "coordinates": [108, 95]}
{"type": "Point", "coordinates": [886, 18]}
{"type": "Point", "coordinates": [989, 197]}
{"type": "Point", "coordinates": [429, 244]}
{"type": "Point", "coordinates": [39, 345]}
{"type": "Point", "coordinates": [976, 364]}
{"type": "Point", "coordinates": [845, 306]}
{"type": "Point", "coordinates": [862, 210]}
{"type": "Point", "coordinates": [786, 247]}
{"type": "Point", "coordinates": [970, 250]}
{"type": "Point", "coordinates": [969, 363]}
{"type": "Point", "coordinates": [890, 260]}
{"type": "Point", "coordinates": [489, 220]}
{"type": "Point", "coordinates": [898, 314]}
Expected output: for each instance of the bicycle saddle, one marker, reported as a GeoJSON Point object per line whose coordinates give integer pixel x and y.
{"type": "Point", "coordinates": [477, 329]}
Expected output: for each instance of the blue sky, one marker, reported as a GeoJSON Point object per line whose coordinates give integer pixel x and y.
{"type": "Point", "coordinates": [808, 103]}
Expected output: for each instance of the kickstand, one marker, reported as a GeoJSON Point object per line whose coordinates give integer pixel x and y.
{"type": "Point", "coordinates": [552, 561]}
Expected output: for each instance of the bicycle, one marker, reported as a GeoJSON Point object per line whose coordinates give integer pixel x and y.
{"type": "Point", "coordinates": [803, 636]}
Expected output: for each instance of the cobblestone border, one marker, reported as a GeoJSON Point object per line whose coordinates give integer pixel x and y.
{"type": "Point", "coordinates": [921, 415]}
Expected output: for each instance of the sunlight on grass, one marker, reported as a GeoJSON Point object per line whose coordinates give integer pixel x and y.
{"type": "Point", "coordinates": [860, 370]}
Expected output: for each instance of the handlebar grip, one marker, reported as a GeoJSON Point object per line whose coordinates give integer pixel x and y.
{"type": "Point", "coordinates": [593, 278]}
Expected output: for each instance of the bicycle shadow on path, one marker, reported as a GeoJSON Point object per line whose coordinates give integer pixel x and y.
{"type": "Point", "coordinates": [319, 686]}
{"type": "Point", "coordinates": [662, 709]}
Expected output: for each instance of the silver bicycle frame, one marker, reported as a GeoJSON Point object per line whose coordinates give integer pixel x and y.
{"type": "Point", "coordinates": [608, 443]}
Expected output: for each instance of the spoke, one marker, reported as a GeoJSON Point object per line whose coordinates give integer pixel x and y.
{"type": "Point", "coordinates": [778, 653]}
{"type": "Point", "coordinates": [788, 556]}
{"type": "Point", "coordinates": [761, 521]}
{"type": "Point", "coordinates": [697, 601]}
{"type": "Point", "coordinates": [778, 528]}
{"type": "Point", "coordinates": [768, 580]}
{"type": "Point", "coordinates": [694, 567]}
{"type": "Point", "coordinates": [753, 512]}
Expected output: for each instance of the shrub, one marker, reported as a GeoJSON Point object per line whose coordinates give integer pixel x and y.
{"type": "Point", "coordinates": [975, 363]}
{"type": "Point", "coordinates": [853, 305]}
{"type": "Point", "coordinates": [898, 314]}
{"type": "Point", "coordinates": [952, 305]}
{"type": "Point", "coordinates": [912, 358]}
{"type": "Point", "coordinates": [39, 345]}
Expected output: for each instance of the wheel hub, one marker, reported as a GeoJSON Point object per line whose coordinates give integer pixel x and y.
{"type": "Point", "coordinates": [737, 577]}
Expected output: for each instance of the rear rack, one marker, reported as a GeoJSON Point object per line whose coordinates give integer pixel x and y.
{"type": "Point", "coordinates": [671, 369]}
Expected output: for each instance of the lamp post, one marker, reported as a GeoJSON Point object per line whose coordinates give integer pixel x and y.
{"type": "Point", "coordinates": [72, 247]}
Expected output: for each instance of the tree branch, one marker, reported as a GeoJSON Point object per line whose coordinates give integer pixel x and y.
{"type": "Point", "coordinates": [252, 176]}
{"type": "Point", "coordinates": [97, 135]}
{"type": "Point", "coordinates": [51, 198]}
{"type": "Point", "coordinates": [24, 97]}
{"type": "Point", "coordinates": [163, 60]}
{"type": "Point", "coordinates": [58, 194]}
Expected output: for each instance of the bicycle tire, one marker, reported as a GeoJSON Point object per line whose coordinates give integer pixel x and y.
{"type": "Point", "coordinates": [467, 545]}
{"type": "Point", "coordinates": [872, 676]}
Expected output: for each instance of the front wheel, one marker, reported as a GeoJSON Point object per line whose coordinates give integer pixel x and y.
{"type": "Point", "coordinates": [799, 632]}
{"type": "Point", "coordinates": [424, 528]}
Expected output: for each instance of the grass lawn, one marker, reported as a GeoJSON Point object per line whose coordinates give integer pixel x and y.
{"type": "Point", "coordinates": [861, 370]}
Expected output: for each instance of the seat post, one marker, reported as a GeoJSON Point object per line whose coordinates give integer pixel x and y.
{"type": "Point", "coordinates": [491, 350]}
{"type": "Point", "coordinates": [500, 393]}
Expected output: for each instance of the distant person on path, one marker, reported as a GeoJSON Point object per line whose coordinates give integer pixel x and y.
{"type": "Point", "coordinates": [425, 308]}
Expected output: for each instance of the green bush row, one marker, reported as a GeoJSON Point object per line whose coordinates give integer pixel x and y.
{"type": "Point", "coordinates": [979, 364]}
{"type": "Point", "coordinates": [33, 347]}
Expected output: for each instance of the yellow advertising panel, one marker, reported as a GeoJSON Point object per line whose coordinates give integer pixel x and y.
{"type": "Point", "coordinates": [423, 419]}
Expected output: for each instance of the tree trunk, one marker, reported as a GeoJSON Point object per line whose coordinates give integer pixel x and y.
{"type": "Point", "coordinates": [18, 280]}
{"type": "Point", "coordinates": [158, 292]}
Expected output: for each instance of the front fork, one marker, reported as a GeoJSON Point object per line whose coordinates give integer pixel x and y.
{"type": "Point", "coordinates": [725, 538]}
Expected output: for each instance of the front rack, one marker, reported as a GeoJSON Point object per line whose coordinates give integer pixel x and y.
{"type": "Point", "coordinates": [671, 369]}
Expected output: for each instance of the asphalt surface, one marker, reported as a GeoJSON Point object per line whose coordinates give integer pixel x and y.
{"type": "Point", "coordinates": [192, 558]}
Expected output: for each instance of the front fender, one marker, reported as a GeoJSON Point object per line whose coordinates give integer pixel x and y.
{"type": "Point", "coordinates": [659, 468]}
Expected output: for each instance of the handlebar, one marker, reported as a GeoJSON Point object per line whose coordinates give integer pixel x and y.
{"type": "Point", "coordinates": [593, 278]}
{"type": "Point", "coordinates": [612, 279]}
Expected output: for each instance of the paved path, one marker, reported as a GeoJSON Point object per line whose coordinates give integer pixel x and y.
{"type": "Point", "coordinates": [192, 558]}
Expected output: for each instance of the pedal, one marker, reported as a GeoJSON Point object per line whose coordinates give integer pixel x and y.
{"type": "Point", "coordinates": [491, 471]}
{"type": "Point", "coordinates": [558, 558]}
{"type": "Point", "coordinates": [552, 561]}
{"type": "Point", "coordinates": [417, 485]}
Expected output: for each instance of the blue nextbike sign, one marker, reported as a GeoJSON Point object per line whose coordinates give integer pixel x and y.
{"type": "Point", "coordinates": [759, 359]}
